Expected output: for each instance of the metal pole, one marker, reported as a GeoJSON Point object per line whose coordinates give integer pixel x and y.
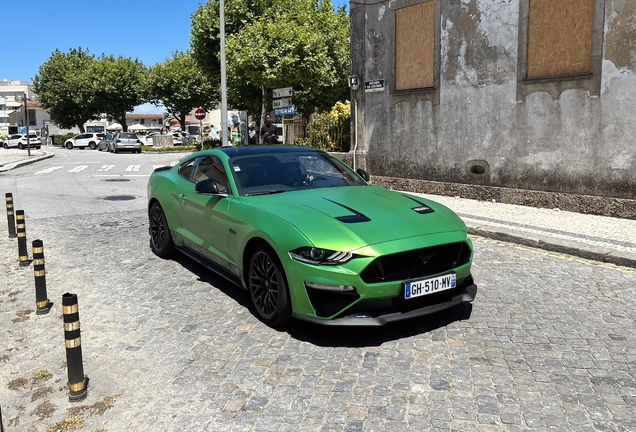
{"type": "Point", "coordinates": [77, 381]}
{"type": "Point", "coordinates": [26, 116]}
{"type": "Point", "coordinates": [42, 303]}
{"type": "Point", "coordinates": [223, 78]}
{"type": "Point", "coordinates": [10, 216]}
{"type": "Point", "coordinates": [23, 254]}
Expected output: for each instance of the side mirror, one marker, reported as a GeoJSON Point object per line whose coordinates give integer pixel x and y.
{"type": "Point", "coordinates": [208, 187]}
{"type": "Point", "coordinates": [362, 173]}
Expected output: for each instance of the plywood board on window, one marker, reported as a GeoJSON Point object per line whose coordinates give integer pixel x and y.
{"type": "Point", "coordinates": [559, 37]}
{"type": "Point", "coordinates": [415, 46]}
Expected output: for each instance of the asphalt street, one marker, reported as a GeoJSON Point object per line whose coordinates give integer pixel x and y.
{"type": "Point", "coordinates": [548, 344]}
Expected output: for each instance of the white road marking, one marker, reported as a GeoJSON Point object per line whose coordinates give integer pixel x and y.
{"type": "Point", "coordinates": [78, 168]}
{"type": "Point", "coordinates": [133, 167]}
{"type": "Point", "coordinates": [106, 168]}
{"type": "Point", "coordinates": [49, 170]}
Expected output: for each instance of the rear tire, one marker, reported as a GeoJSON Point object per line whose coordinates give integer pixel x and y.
{"type": "Point", "coordinates": [20, 146]}
{"type": "Point", "coordinates": [160, 238]}
{"type": "Point", "coordinates": [267, 285]}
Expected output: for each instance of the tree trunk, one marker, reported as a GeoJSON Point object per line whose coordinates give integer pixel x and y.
{"type": "Point", "coordinates": [122, 122]}
{"type": "Point", "coordinates": [81, 127]}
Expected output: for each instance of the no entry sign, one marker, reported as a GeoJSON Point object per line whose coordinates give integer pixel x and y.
{"type": "Point", "coordinates": [199, 113]}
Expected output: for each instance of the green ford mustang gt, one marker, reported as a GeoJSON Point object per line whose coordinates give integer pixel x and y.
{"type": "Point", "coordinates": [309, 238]}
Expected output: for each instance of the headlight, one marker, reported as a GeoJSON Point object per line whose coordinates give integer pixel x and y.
{"type": "Point", "coordinates": [317, 256]}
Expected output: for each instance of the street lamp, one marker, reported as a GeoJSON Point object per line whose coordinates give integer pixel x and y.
{"type": "Point", "coordinates": [24, 99]}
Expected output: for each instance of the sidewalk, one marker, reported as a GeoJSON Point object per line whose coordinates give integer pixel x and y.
{"type": "Point", "coordinates": [14, 158]}
{"type": "Point", "coordinates": [599, 238]}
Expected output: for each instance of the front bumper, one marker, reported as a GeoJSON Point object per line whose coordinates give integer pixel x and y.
{"type": "Point", "coordinates": [375, 317]}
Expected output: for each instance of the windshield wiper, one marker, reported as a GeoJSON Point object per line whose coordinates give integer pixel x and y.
{"type": "Point", "coordinates": [270, 192]}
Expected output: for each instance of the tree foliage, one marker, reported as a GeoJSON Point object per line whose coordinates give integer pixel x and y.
{"type": "Point", "coordinates": [302, 44]}
{"type": "Point", "coordinates": [180, 85]}
{"type": "Point", "coordinates": [64, 86]}
{"type": "Point", "coordinates": [118, 86]}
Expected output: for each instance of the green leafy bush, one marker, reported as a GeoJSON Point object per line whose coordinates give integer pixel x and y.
{"type": "Point", "coordinates": [330, 131]}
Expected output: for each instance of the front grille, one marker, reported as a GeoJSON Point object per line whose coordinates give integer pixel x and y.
{"type": "Point", "coordinates": [416, 263]}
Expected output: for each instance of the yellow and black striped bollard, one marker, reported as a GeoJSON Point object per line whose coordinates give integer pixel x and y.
{"type": "Point", "coordinates": [42, 303]}
{"type": "Point", "coordinates": [77, 382]}
{"type": "Point", "coordinates": [23, 254]}
{"type": "Point", "coordinates": [10, 216]}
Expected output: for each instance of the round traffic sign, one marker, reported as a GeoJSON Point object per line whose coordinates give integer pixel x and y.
{"type": "Point", "coordinates": [199, 113]}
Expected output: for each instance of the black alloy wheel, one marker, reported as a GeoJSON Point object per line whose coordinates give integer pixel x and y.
{"type": "Point", "coordinates": [160, 239]}
{"type": "Point", "coordinates": [268, 287]}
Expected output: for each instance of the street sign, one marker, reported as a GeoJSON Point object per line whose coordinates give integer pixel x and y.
{"type": "Point", "coordinates": [199, 114]}
{"type": "Point", "coordinates": [285, 111]}
{"type": "Point", "coordinates": [374, 85]}
{"type": "Point", "coordinates": [282, 92]}
{"type": "Point", "coordinates": [282, 103]}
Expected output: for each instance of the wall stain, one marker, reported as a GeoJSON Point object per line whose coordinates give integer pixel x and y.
{"type": "Point", "coordinates": [376, 48]}
{"type": "Point", "coordinates": [620, 42]}
{"type": "Point", "coordinates": [470, 59]}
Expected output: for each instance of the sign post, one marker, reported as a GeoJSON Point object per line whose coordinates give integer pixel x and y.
{"type": "Point", "coordinates": [282, 103]}
{"type": "Point", "coordinates": [199, 114]}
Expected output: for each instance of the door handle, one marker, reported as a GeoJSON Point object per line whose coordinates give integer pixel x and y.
{"type": "Point", "coordinates": [182, 196]}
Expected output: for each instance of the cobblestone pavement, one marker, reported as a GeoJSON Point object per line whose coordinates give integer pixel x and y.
{"type": "Point", "coordinates": [549, 344]}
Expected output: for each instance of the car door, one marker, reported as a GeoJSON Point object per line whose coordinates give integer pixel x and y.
{"type": "Point", "coordinates": [204, 218]}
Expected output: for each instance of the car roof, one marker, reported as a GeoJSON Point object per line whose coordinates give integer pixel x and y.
{"type": "Point", "coordinates": [233, 151]}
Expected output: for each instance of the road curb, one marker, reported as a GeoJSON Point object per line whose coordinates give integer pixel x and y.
{"type": "Point", "coordinates": [22, 162]}
{"type": "Point", "coordinates": [582, 250]}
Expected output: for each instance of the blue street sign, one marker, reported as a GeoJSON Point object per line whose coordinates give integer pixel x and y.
{"type": "Point", "coordinates": [285, 111]}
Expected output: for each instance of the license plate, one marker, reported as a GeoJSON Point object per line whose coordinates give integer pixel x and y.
{"type": "Point", "coordinates": [429, 286]}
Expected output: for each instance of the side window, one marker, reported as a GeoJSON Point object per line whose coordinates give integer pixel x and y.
{"type": "Point", "coordinates": [211, 167]}
{"type": "Point", "coordinates": [187, 169]}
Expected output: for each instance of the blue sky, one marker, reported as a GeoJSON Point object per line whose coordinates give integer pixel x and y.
{"type": "Point", "coordinates": [149, 30]}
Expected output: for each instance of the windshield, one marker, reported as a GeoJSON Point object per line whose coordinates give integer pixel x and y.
{"type": "Point", "coordinates": [127, 135]}
{"type": "Point", "coordinates": [282, 172]}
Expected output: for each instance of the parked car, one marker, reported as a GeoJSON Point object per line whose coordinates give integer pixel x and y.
{"type": "Point", "coordinates": [125, 141]}
{"type": "Point", "coordinates": [104, 143]}
{"type": "Point", "coordinates": [149, 139]}
{"type": "Point", "coordinates": [20, 141]}
{"type": "Point", "coordinates": [309, 238]}
{"type": "Point", "coordinates": [90, 140]}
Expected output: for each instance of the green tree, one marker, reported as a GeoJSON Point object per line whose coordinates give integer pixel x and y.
{"type": "Point", "coordinates": [180, 86]}
{"type": "Point", "coordinates": [302, 44]}
{"type": "Point", "coordinates": [119, 85]}
{"type": "Point", "coordinates": [63, 84]}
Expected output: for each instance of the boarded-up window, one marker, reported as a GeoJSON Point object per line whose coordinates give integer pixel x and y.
{"type": "Point", "coordinates": [415, 46]}
{"type": "Point", "coordinates": [559, 37]}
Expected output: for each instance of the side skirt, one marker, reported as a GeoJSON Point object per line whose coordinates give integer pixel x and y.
{"type": "Point", "coordinates": [210, 266]}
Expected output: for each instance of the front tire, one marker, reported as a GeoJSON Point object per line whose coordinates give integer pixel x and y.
{"type": "Point", "coordinates": [160, 238]}
{"type": "Point", "coordinates": [20, 146]}
{"type": "Point", "coordinates": [92, 146]}
{"type": "Point", "coordinates": [69, 146]}
{"type": "Point", "coordinates": [268, 287]}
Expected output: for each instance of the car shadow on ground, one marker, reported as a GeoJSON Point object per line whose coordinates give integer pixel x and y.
{"type": "Point", "coordinates": [334, 336]}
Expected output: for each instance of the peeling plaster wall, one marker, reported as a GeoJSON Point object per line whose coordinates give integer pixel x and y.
{"type": "Point", "coordinates": [574, 142]}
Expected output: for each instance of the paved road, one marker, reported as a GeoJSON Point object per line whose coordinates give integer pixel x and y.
{"type": "Point", "coordinates": [549, 344]}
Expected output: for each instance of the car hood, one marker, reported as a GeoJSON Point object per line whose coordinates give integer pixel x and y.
{"type": "Point", "coordinates": [356, 216]}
